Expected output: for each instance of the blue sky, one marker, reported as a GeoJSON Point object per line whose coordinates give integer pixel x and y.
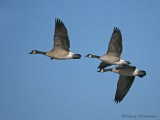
{"type": "Point", "coordinates": [33, 87]}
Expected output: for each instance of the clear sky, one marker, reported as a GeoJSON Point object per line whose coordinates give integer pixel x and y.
{"type": "Point", "coordinates": [33, 87]}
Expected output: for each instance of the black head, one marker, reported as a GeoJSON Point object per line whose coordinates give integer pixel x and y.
{"type": "Point", "coordinates": [33, 52]}
{"type": "Point", "coordinates": [89, 55]}
{"type": "Point", "coordinates": [76, 56]}
{"type": "Point", "coordinates": [101, 70]}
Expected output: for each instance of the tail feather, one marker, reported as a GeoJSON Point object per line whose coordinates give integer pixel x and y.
{"type": "Point", "coordinates": [140, 76]}
{"type": "Point", "coordinates": [76, 56]}
{"type": "Point", "coordinates": [142, 73]}
{"type": "Point", "coordinates": [128, 62]}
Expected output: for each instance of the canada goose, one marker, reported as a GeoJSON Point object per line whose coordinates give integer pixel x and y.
{"type": "Point", "coordinates": [61, 44]}
{"type": "Point", "coordinates": [112, 57]}
{"type": "Point", "coordinates": [127, 75]}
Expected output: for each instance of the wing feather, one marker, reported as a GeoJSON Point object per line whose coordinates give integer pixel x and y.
{"type": "Point", "coordinates": [61, 39]}
{"type": "Point", "coordinates": [103, 65]}
{"type": "Point", "coordinates": [115, 44]}
{"type": "Point", "coordinates": [123, 86]}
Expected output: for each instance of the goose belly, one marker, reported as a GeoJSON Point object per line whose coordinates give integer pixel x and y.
{"type": "Point", "coordinates": [110, 60]}
{"type": "Point", "coordinates": [60, 55]}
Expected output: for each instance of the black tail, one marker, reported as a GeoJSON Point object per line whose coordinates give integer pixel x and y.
{"type": "Point", "coordinates": [128, 62]}
{"type": "Point", "coordinates": [142, 73]}
{"type": "Point", "coordinates": [76, 56]}
{"type": "Point", "coordinates": [141, 76]}
{"type": "Point", "coordinates": [37, 52]}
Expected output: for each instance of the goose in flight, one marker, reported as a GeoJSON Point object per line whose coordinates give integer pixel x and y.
{"type": "Point", "coordinates": [112, 57]}
{"type": "Point", "coordinates": [61, 44]}
{"type": "Point", "coordinates": [126, 79]}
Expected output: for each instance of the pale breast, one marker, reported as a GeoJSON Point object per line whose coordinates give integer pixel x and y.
{"type": "Point", "coordinates": [109, 59]}
{"type": "Point", "coordinates": [59, 55]}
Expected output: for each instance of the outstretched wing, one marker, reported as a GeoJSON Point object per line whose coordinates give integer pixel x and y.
{"type": "Point", "coordinates": [103, 65]}
{"type": "Point", "coordinates": [61, 39]}
{"type": "Point", "coordinates": [123, 86]}
{"type": "Point", "coordinates": [115, 44]}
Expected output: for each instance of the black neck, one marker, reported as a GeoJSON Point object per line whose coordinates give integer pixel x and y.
{"type": "Point", "coordinates": [40, 52]}
{"type": "Point", "coordinates": [109, 69]}
{"type": "Point", "coordinates": [95, 56]}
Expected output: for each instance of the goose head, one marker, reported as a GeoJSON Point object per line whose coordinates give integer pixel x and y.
{"type": "Point", "coordinates": [89, 55]}
{"type": "Point", "coordinates": [33, 52]}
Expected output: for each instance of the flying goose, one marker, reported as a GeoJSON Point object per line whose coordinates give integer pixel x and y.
{"type": "Point", "coordinates": [112, 57]}
{"type": "Point", "coordinates": [126, 79]}
{"type": "Point", "coordinates": [61, 44]}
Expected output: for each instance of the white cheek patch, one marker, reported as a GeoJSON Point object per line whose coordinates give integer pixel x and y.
{"type": "Point", "coordinates": [102, 70]}
{"type": "Point", "coordinates": [34, 52]}
{"type": "Point", "coordinates": [90, 56]}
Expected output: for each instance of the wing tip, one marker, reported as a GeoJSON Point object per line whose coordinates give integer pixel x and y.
{"type": "Point", "coordinates": [59, 25]}
{"type": "Point", "coordinates": [57, 20]}
{"type": "Point", "coordinates": [116, 29]}
{"type": "Point", "coordinates": [117, 100]}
